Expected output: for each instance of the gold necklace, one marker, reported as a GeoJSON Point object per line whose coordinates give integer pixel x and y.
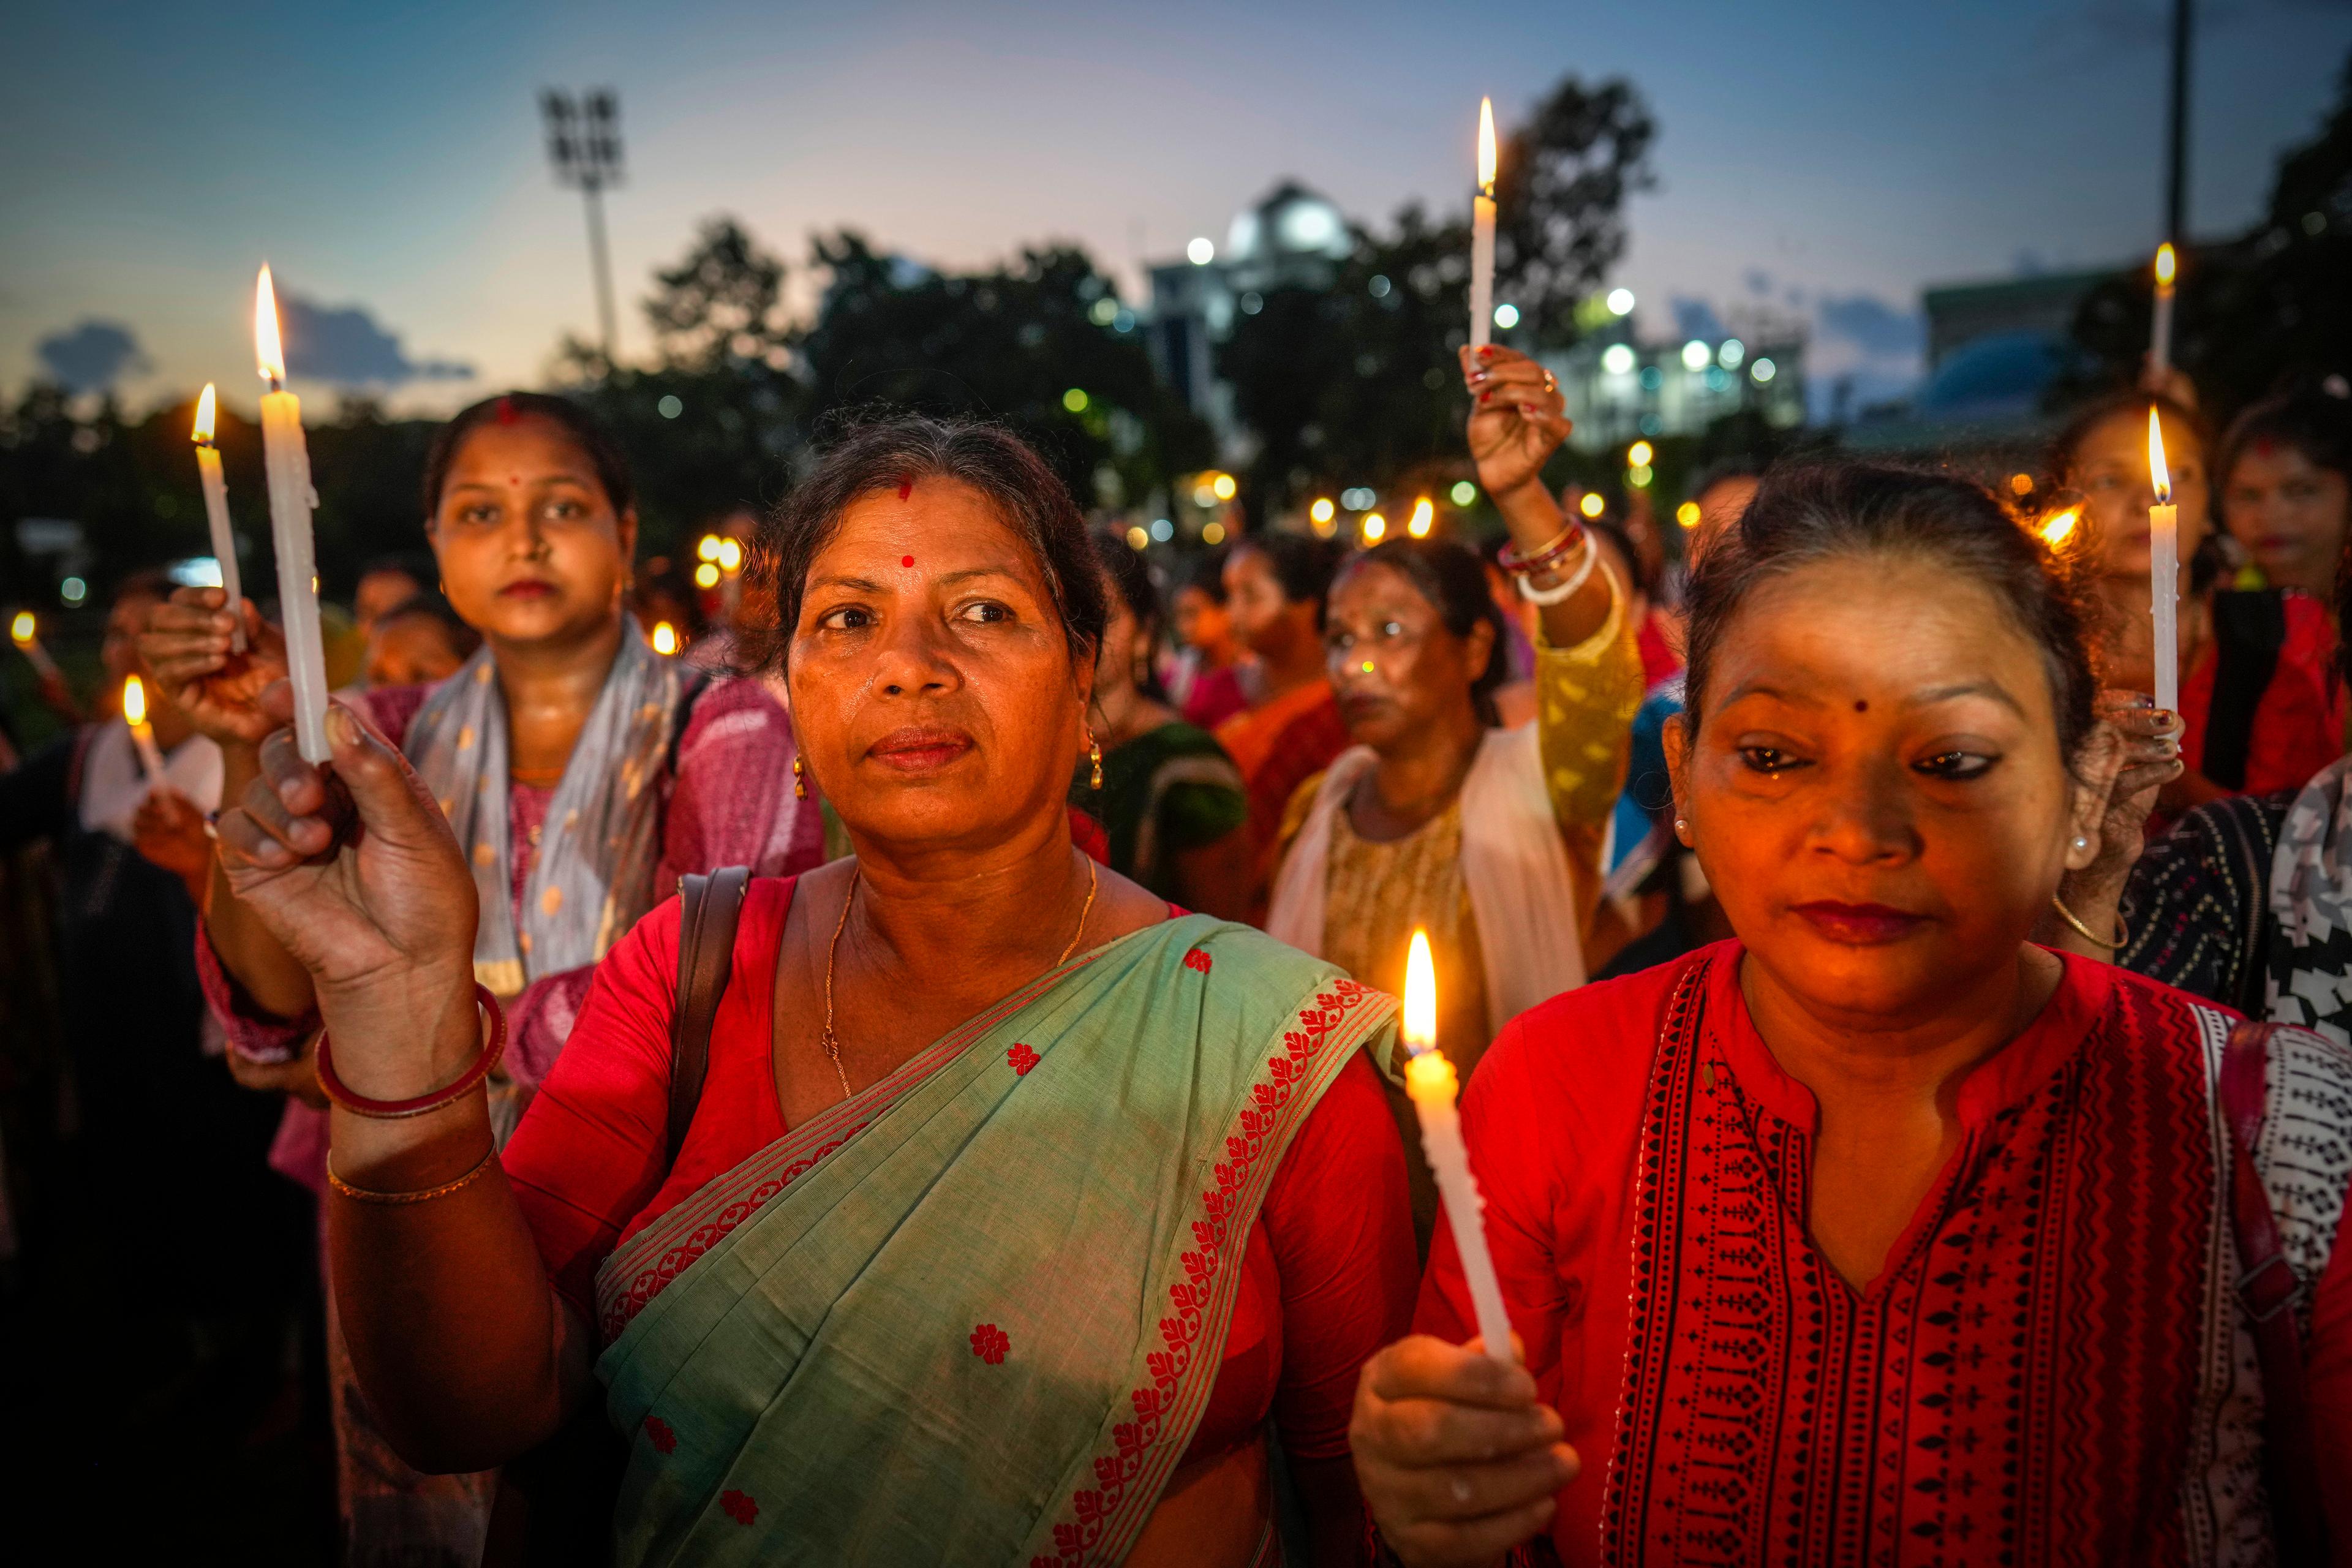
{"type": "Point", "coordinates": [832, 1042]}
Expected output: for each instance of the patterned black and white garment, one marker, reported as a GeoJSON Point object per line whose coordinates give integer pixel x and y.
{"type": "Point", "coordinates": [2248, 902]}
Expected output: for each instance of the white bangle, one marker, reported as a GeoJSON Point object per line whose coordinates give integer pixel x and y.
{"type": "Point", "coordinates": [1561, 592]}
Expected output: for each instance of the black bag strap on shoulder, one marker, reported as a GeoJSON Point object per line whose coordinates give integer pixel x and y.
{"type": "Point", "coordinates": [2249, 630]}
{"type": "Point", "coordinates": [708, 907]}
{"type": "Point", "coordinates": [2270, 1294]}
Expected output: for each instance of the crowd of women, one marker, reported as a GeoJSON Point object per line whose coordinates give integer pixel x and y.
{"type": "Point", "coordinates": [925, 1088]}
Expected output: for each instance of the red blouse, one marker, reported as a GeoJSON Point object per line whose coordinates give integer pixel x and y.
{"type": "Point", "coordinates": [2023, 1376]}
{"type": "Point", "coordinates": [1328, 1276]}
{"type": "Point", "coordinates": [2299, 720]}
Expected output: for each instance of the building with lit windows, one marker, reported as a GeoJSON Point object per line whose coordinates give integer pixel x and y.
{"type": "Point", "coordinates": [1292, 238]}
{"type": "Point", "coordinates": [1619, 388]}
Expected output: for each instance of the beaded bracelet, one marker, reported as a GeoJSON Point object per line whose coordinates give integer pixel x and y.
{"type": "Point", "coordinates": [1510, 559]}
{"type": "Point", "coordinates": [395, 1109]}
{"type": "Point", "coordinates": [369, 1195]}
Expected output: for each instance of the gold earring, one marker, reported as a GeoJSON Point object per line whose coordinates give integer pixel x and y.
{"type": "Point", "coordinates": [800, 782]}
{"type": "Point", "coordinates": [1094, 752]}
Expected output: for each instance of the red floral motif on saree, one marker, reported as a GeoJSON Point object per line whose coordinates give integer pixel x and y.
{"type": "Point", "coordinates": [659, 1433]}
{"type": "Point", "coordinates": [2013, 1389]}
{"type": "Point", "coordinates": [990, 1343]}
{"type": "Point", "coordinates": [1022, 1058]}
{"type": "Point", "coordinates": [1091, 1509]}
{"type": "Point", "coordinates": [650, 1283]}
{"type": "Point", "coordinates": [740, 1507]}
{"type": "Point", "coordinates": [1197, 960]}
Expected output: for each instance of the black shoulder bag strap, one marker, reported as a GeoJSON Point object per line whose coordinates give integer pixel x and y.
{"type": "Point", "coordinates": [567, 1486]}
{"type": "Point", "coordinates": [708, 907]}
{"type": "Point", "coordinates": [2249, 629]}
{"type": "Point", "coordinates": [2270, 1293]}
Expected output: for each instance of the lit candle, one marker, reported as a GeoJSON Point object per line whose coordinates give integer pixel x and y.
{"type": "Point", "coordinates": [1429, 1079]}
{"type": "Point", "coordinates": [1481, 232]}
{"type": "Point", "coordinates": [665, 638]}
{"type": "Point", "coordinates": [2160, 338]}
{"type": "Point", "coordinates": [2164, 572]}
{"type": "Point", "coordinates": [142, 734]}
{"type": "Point", "coordinates": [208, 469]}
{"type": "Point", "coordinates": [288, 459]}
{"type": "Point", "coordinates": [25, 632]}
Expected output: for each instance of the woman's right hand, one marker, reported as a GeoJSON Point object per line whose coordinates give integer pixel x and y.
{"type": "Point", "coordinates": [1517, 421]}
{"type": "Point", "coordinates": [356, 873]}
{"type": "Point", "coordinates": [187, 646]}
{"type": "Point", "coordinates": [1457, 1460]}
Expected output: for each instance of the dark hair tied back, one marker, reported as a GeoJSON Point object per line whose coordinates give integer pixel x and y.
{"type": "Point", "coordinates": [603, 453]}
{"type": "Point", "coordinates": [892, 453]}
{"type": "Point", "coordinates": [1454, 580]}
{"type": "Point", "coordinates": [1810, 513]}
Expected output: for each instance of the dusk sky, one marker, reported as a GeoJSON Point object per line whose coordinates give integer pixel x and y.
{"type": "Point", "coordinates": [1831, 158]}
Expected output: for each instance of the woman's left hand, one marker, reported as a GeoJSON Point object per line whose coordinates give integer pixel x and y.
{"type": "Point", "coordinates": [2133, 754]}
{"type": "Point", "coordinates": [1515, 422]}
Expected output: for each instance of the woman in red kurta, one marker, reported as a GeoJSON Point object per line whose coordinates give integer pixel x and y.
{"type": "Point", "coordinates": [1879, 1234]}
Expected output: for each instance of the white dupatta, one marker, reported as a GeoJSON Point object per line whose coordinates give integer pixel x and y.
{"type": "Point", "coordinates": [1514, 868]}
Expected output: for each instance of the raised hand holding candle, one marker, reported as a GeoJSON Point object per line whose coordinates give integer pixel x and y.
{"type": "Point", "coordinates": [288, 459]}
{"type": "Point", "coordinates": [1429, 1079]}
{"type": "Point", "coordinates": [1481, 232]}
{"type": "Point", "coordinates": [2164, 572]}
{"type": "Point", "coordinates": [208, 469]}
{"type": "Point", "coordinates": [142, 734]}
{"type": "Point", "coordinates": [25, 632]}
{"type": "Point", "coordinates": [2159, 337]}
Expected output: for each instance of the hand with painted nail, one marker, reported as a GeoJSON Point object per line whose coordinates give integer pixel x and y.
{"type": "Point", "coordinates": [1458, 1459]}
{"type": "Point", "coordinates": [2132, 754]}
{"type": "Point", "coordinates": [354, 870]}
{"type": "Point", "coordinates": [1515, 418]}
{"type": "Point", "coordinates": [187, 644]}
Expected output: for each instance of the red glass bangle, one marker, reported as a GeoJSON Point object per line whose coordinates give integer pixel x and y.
{"type": "Point", "coordinates": [394, 1110]}
{"type": "Point", "coordinates": [1509, 559]}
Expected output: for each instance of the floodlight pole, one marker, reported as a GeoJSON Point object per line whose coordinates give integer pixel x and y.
{"type": "Point", "coordinates": [600, 258]}
{"type": "Point", "coordinates": [584, 142]}
{"type": "Point", "coordinates": [2175, 185]}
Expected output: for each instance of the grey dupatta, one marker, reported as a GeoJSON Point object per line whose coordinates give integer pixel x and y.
{"type": "Point", "coordinates": [593, 874]}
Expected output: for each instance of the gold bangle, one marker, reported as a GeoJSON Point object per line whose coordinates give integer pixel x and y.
{"type": "Point", "coordinates": [2123, 932]}
{"type": "Point", "coordinates": [368, 1195]}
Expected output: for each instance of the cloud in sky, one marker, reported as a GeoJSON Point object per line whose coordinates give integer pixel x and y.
{"type": "Point", "coordinates": [343, 344]}
{"type": "Point", "coordinates": [1875, 329]}
{"type": "Point", "coordinates": [93, 356]}
{"type": "Point", "coordinates": [1876, 351]}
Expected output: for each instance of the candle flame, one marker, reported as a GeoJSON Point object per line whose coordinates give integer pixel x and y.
{"type": "Point", "coordinates": [1420, 1021]}
{"type": "Point", "coordinates": [21, 628]}
{"type": "Point", "coordinates": [265, 348]}
{"type": "Point", "coordinates": [1486, 146]}
{"type": "Point", "coordinates": [2059, 526]}
{"type": "Point", "coordinates": [134, 701]}
{"type": "Point", "coordinates": [2158, 473]}
{"type": "Point", "coordinates": [2167, 265]}
{"type": "Point", "coordinates": [204, 431]}
{"type": "Point", "coordinates": [1424, 515]}
{"type": "Point", "coordinates": [665, 638]}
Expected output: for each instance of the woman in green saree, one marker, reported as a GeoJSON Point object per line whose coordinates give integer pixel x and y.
{"type": "Point", "coordinates": [1169, 800]}
{"type": "Point", "coordinates": [1014, 1204]}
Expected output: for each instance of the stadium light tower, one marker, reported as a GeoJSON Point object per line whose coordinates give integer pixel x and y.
{"type": "Point", "coordinates": [584, 142]}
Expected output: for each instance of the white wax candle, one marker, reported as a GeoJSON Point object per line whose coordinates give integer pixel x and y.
{"type": "Point", "coordinates": [208, 470]}
{"type": "Point", "coordinates": [28, 643]}
{"type": "Point", "coordinates": [2163, 573]}
{"type": "Point", "coordinates": [286, 459]}
{"type": "Point", "coordinates": [2164, 582]}
{"type": "Point", "coordinates": [1482, 233]}
{"type": "Point", "coordinates": [1429, 1079]}
{"type": "Point", "coordinates": [142, 734]}
{"type": "Point", "coordinates": [2159, 337]}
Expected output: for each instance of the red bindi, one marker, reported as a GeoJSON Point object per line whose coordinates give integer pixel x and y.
{"type": "Point", "coordinates": [1861, 707]}
{"type": "Point", "coordinates": [905, 561]}
{"type": "Point", "coordinates": [906, 488]}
